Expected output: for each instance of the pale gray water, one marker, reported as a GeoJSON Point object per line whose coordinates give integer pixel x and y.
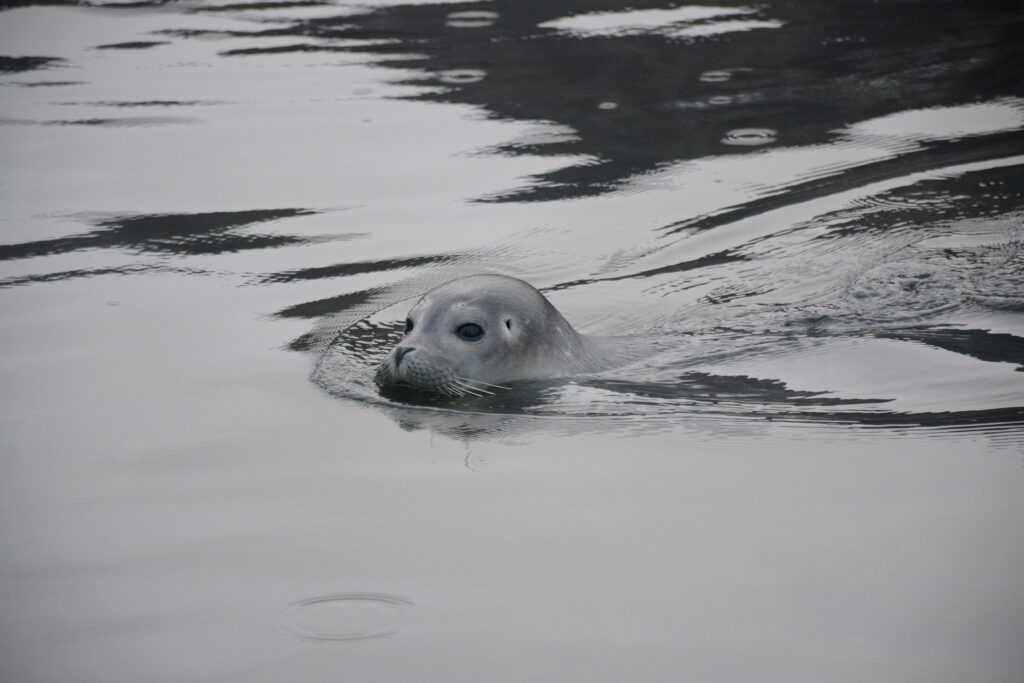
{"type": "Point", "coordinates": [212, 232]}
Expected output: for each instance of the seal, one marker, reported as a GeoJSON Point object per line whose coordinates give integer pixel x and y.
{"type": "Point", "coordinates": [470, 335]}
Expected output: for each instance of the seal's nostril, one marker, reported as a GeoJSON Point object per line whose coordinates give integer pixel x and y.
{"type": "Point", "coordinates": [400, 352]}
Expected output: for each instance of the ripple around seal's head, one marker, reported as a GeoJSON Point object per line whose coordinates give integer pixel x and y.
{"type": "Point", "coordinates": [346, 616]}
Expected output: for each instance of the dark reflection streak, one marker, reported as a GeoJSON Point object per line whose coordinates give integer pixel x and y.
{"type": "Point", "coordinates": [704, 387]}
{"type": "Point", "coordinates": [282, 49]}
{"type": "Point", "coordinates": [980, 344]}
{"type": "Point", "coordinates": [44, 84]}
{"type": "Point", "coordinates": [90, 272]}
{"type": "Point", "coordinates": [197, 233]}
{"type": "Point", "coordinates": [235, 7]}
{"type": "Point", "coordinates": [137, 45]}
{"type": "Point", "coordinates": [716, 259]}
{"type": "Point", "coordinates": [148, 103]}
{"type": "Point", "coordinates": [937, 155]}
{"type": "Point", "coordinates": [1010, 418]}
{"type": "Point", "coordinates": [357, 268]}
{"type": "Point", "coordinates": [128, 122]}
{"type": "Point", "coordinates": [206, 33]}
{"type": "Point", "coordinates": [141, 4]}
{"type": "Point", "coordinates": [303, 343]}
{"type": "Point", "coordinates": [10, 65]}
{"type": "Point", "coordinates": [322, 307]}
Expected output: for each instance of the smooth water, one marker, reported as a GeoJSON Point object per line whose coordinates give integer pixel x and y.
{"type": "Point", "coordinates": [214, 216]}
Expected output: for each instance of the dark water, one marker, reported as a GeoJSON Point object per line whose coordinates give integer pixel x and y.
{"type": "Point", "coordinates": [214, 217]}
{"type": "Point", "coordinates": [844, 174]}
{"type": "Point", "coordinates": [877, 184]}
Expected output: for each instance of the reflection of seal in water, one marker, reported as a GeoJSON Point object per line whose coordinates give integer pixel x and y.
{"type": "Point", "coordinates": [470, 335]}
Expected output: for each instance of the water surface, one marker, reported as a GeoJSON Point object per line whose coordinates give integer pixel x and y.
{"type": "Point", "coordinates": [214, 218]}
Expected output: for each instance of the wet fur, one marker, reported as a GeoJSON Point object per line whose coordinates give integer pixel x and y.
{"type": "Point", "coordinates": [526, 338]}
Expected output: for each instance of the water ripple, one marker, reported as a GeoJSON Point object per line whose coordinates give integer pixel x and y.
{"type": "Point", "coordinates": [750, 137]}
{"type": "Point", "coordinates": [346, 616]}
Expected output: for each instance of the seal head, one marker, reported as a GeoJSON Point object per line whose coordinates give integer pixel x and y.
{"type": "Point", "coordinates": [470, 335]}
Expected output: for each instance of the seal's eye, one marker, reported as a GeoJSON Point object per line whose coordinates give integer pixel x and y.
{"type": "Point", "coordinates": [470, 331]}
{"type": "Point", "coordinates": [408, 325]}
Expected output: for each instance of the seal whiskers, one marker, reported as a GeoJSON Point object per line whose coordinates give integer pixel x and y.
{"type": "Point", "coordinates": [480, 381]}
